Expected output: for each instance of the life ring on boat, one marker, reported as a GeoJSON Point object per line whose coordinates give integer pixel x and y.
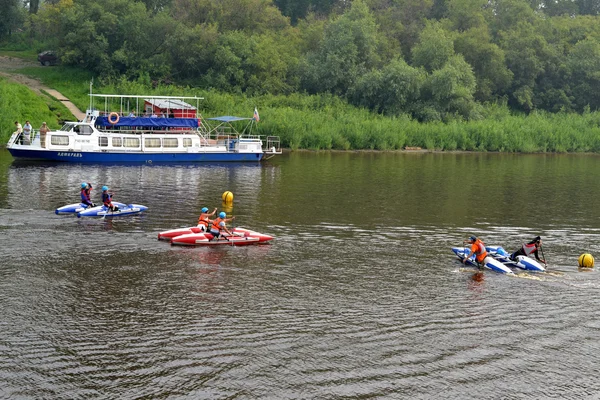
{"type": "Point", "coordinates": [113, 118]}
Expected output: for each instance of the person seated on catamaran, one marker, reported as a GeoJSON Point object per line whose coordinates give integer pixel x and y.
{"type": "Point", "coordinates": [218, 226]}
{"type": "Point", "coordinates": [203, 220]}
{"type": "Point", "coordinates": [107, 199]}
{"type": "Point", "coordinates": [86, 197]}
{"type": "Point", "coordinates": [529, 248]}
{"type": "Point", "coordinates": [477, 248]}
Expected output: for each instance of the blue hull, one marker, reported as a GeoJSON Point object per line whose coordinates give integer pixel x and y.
{"type": "Point", "coordinates": [130, 157]}
{"type": "Point", "coordinates": [102, 211]}
{"type": "Point", "coordinates": [78, 207]}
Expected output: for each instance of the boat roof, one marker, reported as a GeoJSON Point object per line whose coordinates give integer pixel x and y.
{"type": "Point", "coordinates": [173, 104]}
{"type": "Point", "coordinates": [228, 118]}
{"type": "Point", "coordinates": [134, 96]}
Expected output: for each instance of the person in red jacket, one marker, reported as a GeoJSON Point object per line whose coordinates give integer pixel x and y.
{"type": "Point", "coordinates": [529, 248]}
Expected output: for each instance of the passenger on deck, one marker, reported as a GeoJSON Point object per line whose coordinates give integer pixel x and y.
{"type": "Point", "coordinates": [19, 131]}
{"type": "Point", "coordinates": [86, 197]}
{"type": "Point", "coordinates": [477, 248]}
{"type": "Point", "coordinates": [528, 248]}
{"type": "Point", "coordinates": [26, 136]}
{"type": "Point", "coordinates": [131, 114]}
{"type": "Point", "coordinates": [218, 226]}
{"type": "Point", "coordinates": [43, 131]}
{"type": "Point", "coordinates": [107, 199]}
{"type": "Point", "coordinates": [203, 220]}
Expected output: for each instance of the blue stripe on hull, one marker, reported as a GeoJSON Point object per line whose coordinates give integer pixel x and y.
{"type": "Point", "coordinates": [139, 158]}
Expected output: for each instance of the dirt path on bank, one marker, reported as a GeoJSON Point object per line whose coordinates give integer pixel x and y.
{"type": "Point", "coordinates": [9, 64]}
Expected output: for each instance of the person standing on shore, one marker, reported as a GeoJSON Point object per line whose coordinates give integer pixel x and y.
{"type": "Point", "coordinates": [43, 131]}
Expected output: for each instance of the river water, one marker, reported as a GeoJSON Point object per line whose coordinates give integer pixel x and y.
{"type": "Point", "coordinates": [359, 296]}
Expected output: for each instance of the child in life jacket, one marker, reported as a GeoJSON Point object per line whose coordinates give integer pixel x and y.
{"type": "Point", "coordinates": [203, 221]}
{"type": "Point", "coordinates": [219, 226]}
{"type": "Point", "coordinates": [107, 199]}
{"type": "Point", "coordinates": [86, 196]}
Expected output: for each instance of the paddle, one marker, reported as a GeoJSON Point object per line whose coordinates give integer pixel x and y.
{"type": "Point", "coordinates": [542, 250]}
{"type": "Point", "coordinates": [106, 212]}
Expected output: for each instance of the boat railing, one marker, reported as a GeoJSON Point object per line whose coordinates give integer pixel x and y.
{"type": "Point", "coordinates": [272, 145]}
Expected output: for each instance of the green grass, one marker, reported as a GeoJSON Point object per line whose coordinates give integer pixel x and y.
{"type": "Point", "coordinates": [29, 55]}
{"type": "Point", "coordinates": [18, 103]}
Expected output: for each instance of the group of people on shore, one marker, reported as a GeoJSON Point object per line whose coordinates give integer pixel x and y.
{"type": "Point", "coordinates": [216, 226]}
{"type": "Point", "coordinates": [27, 134]}
{"type": "Point", "coordinates": [527, 249]}
{"type": "Point", "coordinates": [86, 197]}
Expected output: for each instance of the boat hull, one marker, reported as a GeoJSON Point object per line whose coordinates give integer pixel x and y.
{"type": "Point", "coordinates": [102, 211]}
{"type": "Point", "coordinates": [489, 262]}
{"type": "Point", "coordinates": [206, 239]}
{"type": "Point", "coordinates": [193, 236]}
{"type": "Point", "coordinates": [78, 207]}
{"type": "Point", "coordinates": [170, 234]}
{"type": "Point", "coordinates": [97, 157]}
{"type": "Point", "coordinates": [522, 262]}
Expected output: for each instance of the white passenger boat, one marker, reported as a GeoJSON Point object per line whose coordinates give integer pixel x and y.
{"type": "Point", "coordinates": [169, 130]}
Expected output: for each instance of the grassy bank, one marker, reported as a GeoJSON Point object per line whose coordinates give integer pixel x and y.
{"type": "Point", "coordinates": [325, 122]}
{"type": "Point", "coordinates": [18, 103]}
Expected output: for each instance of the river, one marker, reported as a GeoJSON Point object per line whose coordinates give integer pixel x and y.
{"type": "Point", "coordinates": [359, 296]}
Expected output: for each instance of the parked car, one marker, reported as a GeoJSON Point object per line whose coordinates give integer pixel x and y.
{"type": "Point", "coordinates": [47, 58]}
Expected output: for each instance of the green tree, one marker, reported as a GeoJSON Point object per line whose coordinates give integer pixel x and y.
{"type": "Point", "coordinates": [527, 54]}
{"type": "Point", "coordinates": [450, 89]}
{"type": "Point", "coordinates": [488, 62]}
{"type": "Point", "coordinates": [392, 90]}
{"type": "Point", "coordinates": [12, 17]}
{"type": "Point", "coordinates": [434, 49]}
{"type": "Point", "coordinates": [584, 72]}
{"type": "Point", "coordinates": [253, 16]}
{"type": "Point", "coordinates": [347, 51]}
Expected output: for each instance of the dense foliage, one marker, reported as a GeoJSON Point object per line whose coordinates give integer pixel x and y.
{"type": "Point", "coordinates": [434, 60]}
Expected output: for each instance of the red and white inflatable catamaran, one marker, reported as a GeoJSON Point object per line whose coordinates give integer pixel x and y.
{"type": "Point", "coordinates": [194, 236]}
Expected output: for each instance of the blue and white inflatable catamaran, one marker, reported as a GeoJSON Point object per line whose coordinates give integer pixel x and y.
{"type": "Point", "coordinates": [499, 260]}
{"type": "Point", "coordinates": [148, 129]}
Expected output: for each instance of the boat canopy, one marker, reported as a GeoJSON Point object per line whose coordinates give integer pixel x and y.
{"type": "Point", "coordinates": [228, 119]}
{"type": "Point", "coordinates": [149, 122]}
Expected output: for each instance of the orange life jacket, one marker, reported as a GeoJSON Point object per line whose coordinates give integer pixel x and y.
{"type": "Point", "coordinates": [215, 224]}
{"type": "Point", "coordinates": [478, 248]}
{"type": "Point", "coordinates": [203, 219]}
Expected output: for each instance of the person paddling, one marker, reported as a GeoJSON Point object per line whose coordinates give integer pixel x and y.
{"type": "Point", "coordinates": [204, 220]}
{"type": "Point", "coordinates": [477, 248]}
{"type": "Point", "coordinates": [219, 225]}
{"type": "Point", "coordinates": [527, 249]}
{"type": "Point", "coordinates": [107, 199]}
{"type": "Point", "coordinates": [86, 194]}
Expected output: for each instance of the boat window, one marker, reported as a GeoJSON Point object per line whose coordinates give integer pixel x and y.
{"type": "Point", "coordinates": [85, 130]}
{"type": "Point", "coordinates": [59, 140]}
{"type": "Point", "coordinates": [102, 141]}
{"type": "Point", "coordinates": [117, 142]}
{"type": "Point", "coordinates": [187, 142]}
{"type": "Point", "coordinates": [170, 142]}
{"type": "Point", "coordinates": [66, 127]}
{"type": "Point", "coordinates": [152, 142]}
{"type": "Point", "coordinates": [131, 142]}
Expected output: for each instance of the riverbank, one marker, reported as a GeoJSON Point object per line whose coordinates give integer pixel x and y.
{"type": "Point", "coordinates": [328, 123]}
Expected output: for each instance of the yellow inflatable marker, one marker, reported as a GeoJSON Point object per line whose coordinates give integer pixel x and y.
{"type": "Point", "coordinates": [586, 261]}
{"type": "Point", "coordinates": [227, 197]}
